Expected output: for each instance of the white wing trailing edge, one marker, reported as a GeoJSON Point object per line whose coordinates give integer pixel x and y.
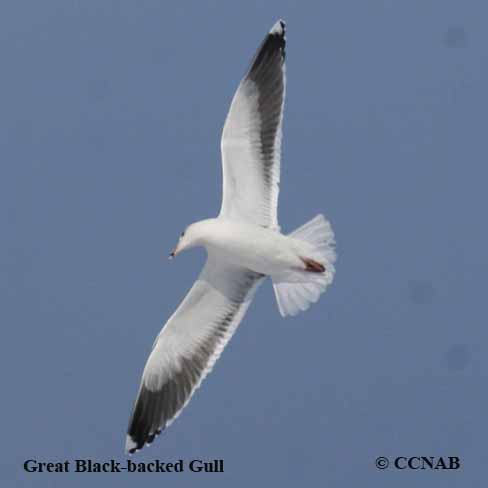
{"type": "Point", "coordinates": [251, 139]}
{"type": "Point", "coordinates": [188, 346]}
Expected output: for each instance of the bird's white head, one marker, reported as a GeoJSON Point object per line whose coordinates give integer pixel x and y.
{"type": "Point", "coordinates": [189, 238]}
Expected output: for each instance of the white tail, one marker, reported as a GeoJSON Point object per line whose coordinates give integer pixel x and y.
{"type": "Point", "coordinates": [296, 290]}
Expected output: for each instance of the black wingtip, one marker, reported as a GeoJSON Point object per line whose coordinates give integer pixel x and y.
{"type": "Point", "coordinates": [132, 445]}
{"type": "Point", "coordinates": [279, 28]}
{"type": "Point", "coordinates": [145, 422]}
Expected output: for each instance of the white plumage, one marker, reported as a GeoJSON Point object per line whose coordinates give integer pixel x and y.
{"type": "Point", "coordinates": [244, 246]}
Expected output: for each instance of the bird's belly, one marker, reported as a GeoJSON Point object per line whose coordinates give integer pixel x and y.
{"type": "Point", "coordinates": [262, 251]}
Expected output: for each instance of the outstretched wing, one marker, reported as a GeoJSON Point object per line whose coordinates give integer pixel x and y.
{"type": "Point", "coordinates": [251, 139]}
{"type": "Point", "coordinates": [188, 346]}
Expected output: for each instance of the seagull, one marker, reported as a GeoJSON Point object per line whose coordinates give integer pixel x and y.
{"type": "Point", "coordinates": [244, 246]}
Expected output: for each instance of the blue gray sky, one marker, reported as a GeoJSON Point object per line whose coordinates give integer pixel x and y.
{"type": "Point", "coordinates": [110, 122]}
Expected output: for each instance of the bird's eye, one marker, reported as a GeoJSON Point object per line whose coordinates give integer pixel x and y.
{"type": "Point", "coordinates": [182, 234]}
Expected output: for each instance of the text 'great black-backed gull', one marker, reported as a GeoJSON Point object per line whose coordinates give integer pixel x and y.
{"type": "Point", "coordinates": [244, 246]}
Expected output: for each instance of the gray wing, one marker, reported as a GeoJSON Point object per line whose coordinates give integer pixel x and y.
{"type": "Point", "coordinates": [251, 139]}
{"type": "Point", "coordinates": [188, 346]}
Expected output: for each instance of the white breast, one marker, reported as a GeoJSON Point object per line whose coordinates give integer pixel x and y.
{"type": "Point", "coordinates": [261, 250]}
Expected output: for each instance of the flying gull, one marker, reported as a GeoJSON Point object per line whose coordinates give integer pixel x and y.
{"type": "Point", "coordinates": [244, 246]}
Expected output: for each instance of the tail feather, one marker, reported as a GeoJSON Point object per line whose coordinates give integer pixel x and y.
{"type": "Point", "coordinates": [297, 290]}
